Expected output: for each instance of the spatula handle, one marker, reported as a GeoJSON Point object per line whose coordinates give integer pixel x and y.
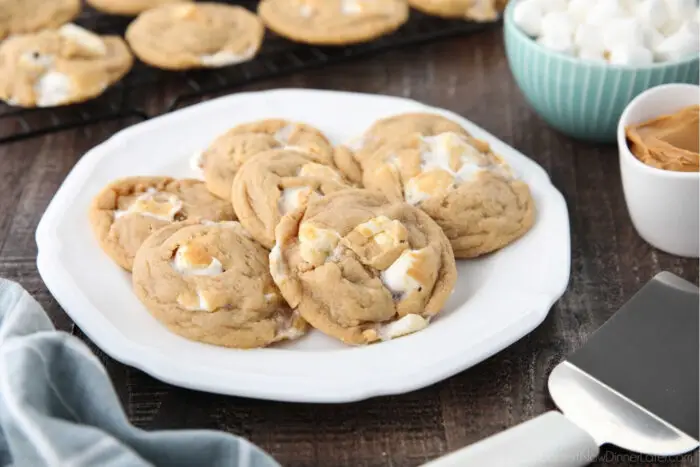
{"type": "Point", "coordinates": [550, 440]}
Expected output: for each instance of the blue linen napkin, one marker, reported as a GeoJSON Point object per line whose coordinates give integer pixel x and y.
{"type": "Point", "coordinates": [59, 408]}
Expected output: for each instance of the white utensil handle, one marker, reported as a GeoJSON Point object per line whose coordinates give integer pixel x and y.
{"type": "Point", "coordinates": [550, 440]}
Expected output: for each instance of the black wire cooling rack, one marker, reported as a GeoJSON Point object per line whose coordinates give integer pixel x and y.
{"type": "Point", "coordinates": [277, 57]}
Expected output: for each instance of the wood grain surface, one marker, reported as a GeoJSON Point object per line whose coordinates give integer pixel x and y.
{"type": "Point", "coordinates": [468, 75]}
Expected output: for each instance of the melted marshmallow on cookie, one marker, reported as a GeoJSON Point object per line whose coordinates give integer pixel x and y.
{"type": "Point", "coordinates": [407, 325]}
{"type": "Point", "coordinates": [152, 203]}
{"type": "Point", "coordinates": [316, 244]}
{"type": "Point", "coordinates": [191, 260]}
{"type": "Point", "coordinates": [403, 277]}
{"type": "Point", "coordinates": [292, 198]}
{"type": "Point", "coordinates": [448, 160]}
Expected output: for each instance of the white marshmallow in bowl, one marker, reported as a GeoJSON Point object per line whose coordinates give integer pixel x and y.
{"type": "Point", "coordinates": [653, 14]}
{"type": "Point", "coordinates": [631, 54]}
{"type": "Point", "coordinates": [685, 41]}
{"type": "Point", "coordinates": [604, 11]}
{"type": "Point", "coordinates": [620, 32]}
{"type": "Point", "coordinates": [527, 14]}
{"type": "Point", "coordinates": [557, 32]}
{"type": "Point", "coordinates": [578, 10]}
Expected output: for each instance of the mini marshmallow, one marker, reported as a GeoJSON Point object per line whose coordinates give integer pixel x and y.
{"type": "Point", "coordinates": [683, 43]}
{"type": "Point", "coordinates": [196, 162]}
{"type": "Point", "coordinates": [282, 135]}
{"type": "Point", "coordinates": [592, 55]}
{"type": "Point", "coordinates": [152, 203]}
{"type": "Point", "coordinates": [351, 7]}
{"type": "Point", "coordinates": [588, 40]}
{"type": "Point", "coordinates": [631, 54]}
{"type": "Point", "coordinates": [278, 270]}
{"type": "Point", "coordinates": [652, 38]}
{"type": "Point", "coordinates": [315, 243]}
{"type": "Point", "coordinates": [578, 10]}
{"type": "Point", "coordinates": [292, 198]}
{"type": "Point", "coordinates": [224, 58]}
{"type": "Point", "coordinates": [86, 40]}
{"type": "Point", "coordinates": [604, 11]}
{"type": "Point", "coordinates": [397, 277]}
{"type": "Point", "coordinates": [432, 183]}
{"type": "Point", "coordinates": [549, 6]}
{"type": "Point", "coordinates": [53, 88]}
{"type": "Point", "coordinates": [557, 24]}
{"type": "Point", "coordinates": [681, 10]}
{"type": "Point", "coordinates": [558, 43]}
{"type": "Point", "coordinates": [651, 13]}
{"type": "Point", "coordinates": [195, 261]}
{"type": "Point", "coordinates": [407, 325]}
{"type": "Point", "coordinates": [527, 15]}
{"type": "Point", "coordinates": [622, 31]}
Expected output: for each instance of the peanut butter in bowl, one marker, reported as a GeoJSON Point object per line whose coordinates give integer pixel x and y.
{"type": "Point", "coordinates": [668, 142]}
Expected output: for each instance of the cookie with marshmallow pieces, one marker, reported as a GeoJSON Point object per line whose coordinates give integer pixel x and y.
{"type": "Point", "coordinates": [60, 66]}
{"type": "Point", "coordinates": [127, 211]}
{"type": "Point", "coordinates": [363, 269]}
{"type": "Point", "coordinates": [210, 282]}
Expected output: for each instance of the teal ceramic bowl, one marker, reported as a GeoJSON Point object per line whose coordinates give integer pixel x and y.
{"type": "Point", "coordinates": [582, 99]}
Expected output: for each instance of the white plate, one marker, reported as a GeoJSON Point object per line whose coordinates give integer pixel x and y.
{"type": "Point", "coordinates": [497, 300]}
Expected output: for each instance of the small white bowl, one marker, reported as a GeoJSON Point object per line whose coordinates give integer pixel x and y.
{"type": "Point", "coordinates": [663, 204]}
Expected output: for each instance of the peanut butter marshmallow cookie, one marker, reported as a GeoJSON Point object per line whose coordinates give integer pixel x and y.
{"type": "Point", "coordinates": [210, 282]}
{"type": "Point", "coordinates": [26, 16]}
{"type": "Point", "coordinates": [222, 159]}
{"type": "Point", "coordinates": [60, 66]}
{"type": "Point", "coordinates": [182, 36]}
{"type": "Point", "coordinates": [127, 211]}
{"type": "Point", "coordinates": [394, 128]}
{"type": "Point", "coordinates": [460, 183]}
{"type": "Point", "coordinates": [275, 183]}
{"type": "Point", "coordinates": [129, 7]}
{"type": "Point", "coordinates": [476, 10]}
{"type": "Point", "coordinates": [333, 22]}
{"type": "Point", "coordinates": [361, 268]}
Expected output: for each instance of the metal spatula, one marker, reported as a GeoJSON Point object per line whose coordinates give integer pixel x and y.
{"type": "Point", "coordinates": [634, 384]}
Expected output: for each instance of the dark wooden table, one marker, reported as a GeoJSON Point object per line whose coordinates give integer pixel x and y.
{"type": "Point", "coordinates": [470, 76]}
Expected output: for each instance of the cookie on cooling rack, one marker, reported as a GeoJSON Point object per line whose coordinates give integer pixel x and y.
{"type": "Point", "coordinates": [127, 211]}
{"type": "Point", "coordinates": [195, 35]}
{"type": "Point", "coordinates": [275, 183]}
{"type": "Point", "coordinates": [60, 66]}
{"type": "Point", "coordinates": [333, 22]}
{"type": "Point", "coordinates": [476, 10]}
{"type": "Point", "coordinates": [211, 283]}
{"type": "Point", "coordinates": [129, 7]}
{"type": "Point", "coordinates": [26, 16]}
{"type": "Point", "coordinates": [222, 159]}
{"type": "Point", "coordinates": [460, 183]}
{"type": "Point", "coordinates": [361, 268]}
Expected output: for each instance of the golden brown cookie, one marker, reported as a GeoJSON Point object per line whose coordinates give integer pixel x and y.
{"type": "Point", "coordinates": [460, 183]}
{"type": "Point", "coordinates": [390, 129]}
{"type": "Point", "coordinates": [182, 36]}
{"type": "Point", "coordinates": [276, 182]}
{"type": "Point", "coordinates": [333, 22]}
{"type": "Point", "coordinates": [210, 282]}
{"type": "Point", "coordinates": [128, 210]}
{"type": "Point", "coordinates": [361, 268]}
{"type": "Point", "coordinates": [222, 159]}
{"type": "Point", "coordinates": [60, 66]}
{"type": "Point", "coordinates": [26, 16]}
{"type": "Point", "coordinates": [476, 10]}
{"type": "Point", "coordinates": [129, 7]}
